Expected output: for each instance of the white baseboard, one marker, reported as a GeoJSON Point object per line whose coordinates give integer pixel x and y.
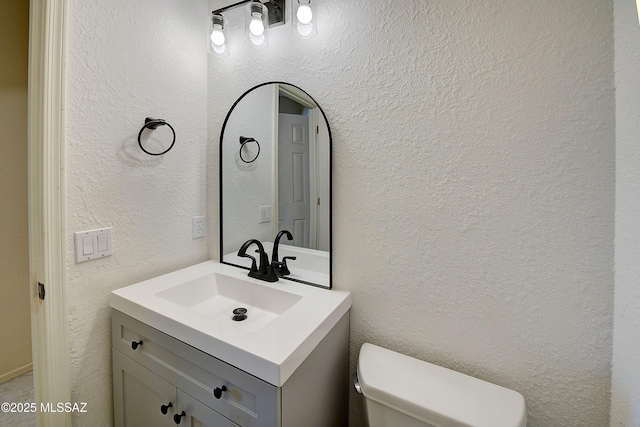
{"type": "Point", "coordinates": [15, 373]}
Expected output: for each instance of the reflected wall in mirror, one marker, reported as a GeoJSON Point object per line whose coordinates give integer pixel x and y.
{"type": "Point", "coordinates": [275, 174]}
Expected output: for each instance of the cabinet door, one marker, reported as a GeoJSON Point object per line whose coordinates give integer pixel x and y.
{"type": "Point", "coordinates": [248, 401]}
{"type": "Point", "coordinates": [197, 414]}
{"type": "Point", "coordinates": [139, 395]}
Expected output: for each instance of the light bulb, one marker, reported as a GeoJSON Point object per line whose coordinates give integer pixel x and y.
{"type": "Point", "coordinates": [256, 26]}
{"type": "Point", "coordinates": [305, 30]}
{"type": "Point", "coordinates": [257, 41]}
{"type": "Point", "coordinates": [217, 35]}
{"type": "Point", "coordinates": [220, 50]}
{"type": "Point", "coordinates": [304, 14]}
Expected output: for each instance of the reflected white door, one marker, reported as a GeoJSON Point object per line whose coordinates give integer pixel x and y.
{"type": "Point", "coordinates": [293, 177]}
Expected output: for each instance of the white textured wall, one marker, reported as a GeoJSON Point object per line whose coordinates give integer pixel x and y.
{"type": "Point", "coordinates": [473, 212]}
{"type": "Point", "coordinates": [249, 185]}
{"type": "Point", "coordinates": [625, 387]}
{"type": "Point", "coordinates": [128, 60]}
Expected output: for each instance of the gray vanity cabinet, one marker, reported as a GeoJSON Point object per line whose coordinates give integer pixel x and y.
{"type": "Point", "coordinates": [145, 399]}
{"type": "Point", "coordinates": [152, 369]}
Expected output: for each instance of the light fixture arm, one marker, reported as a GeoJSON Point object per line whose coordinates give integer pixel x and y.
{"type": "Point", "coordinates": [275, 7]}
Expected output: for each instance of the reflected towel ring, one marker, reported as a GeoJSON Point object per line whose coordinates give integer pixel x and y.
{"type": "Point", "coordinates": [243, 141]}
{"type": "Point", "coordinates": [150, 123]}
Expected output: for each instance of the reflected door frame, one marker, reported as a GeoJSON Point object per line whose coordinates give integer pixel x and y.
{"type": "Point", "coordinates": [294, 180]}
{"type": "Point", "coordinates": [314, 116]}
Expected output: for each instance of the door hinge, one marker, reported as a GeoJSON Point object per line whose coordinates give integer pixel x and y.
{"type": "Point", "coordinates": [41, 290]}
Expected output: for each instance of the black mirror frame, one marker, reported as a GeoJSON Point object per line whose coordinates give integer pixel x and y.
{"type": "Point", "coordinates": [220, 177]}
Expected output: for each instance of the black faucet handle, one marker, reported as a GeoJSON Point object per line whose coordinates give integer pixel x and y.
{"type": "Point", "coordinates": [243, 253]}
{"type": "Point", "coordinates": [254, 266]}
{"type": "Point", "coordinates": [266, 271]}
{"type": "Point", "coordinates": [281, 267]}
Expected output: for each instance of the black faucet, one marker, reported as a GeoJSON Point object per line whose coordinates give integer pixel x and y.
{"type": "Point", "coordinates": [281, 268]}
{"type": "Point", "coordinates": [265, 271]}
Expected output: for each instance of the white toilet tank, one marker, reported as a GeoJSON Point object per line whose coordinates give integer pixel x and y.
{"type": "Point", "coordinates": [402, 391]}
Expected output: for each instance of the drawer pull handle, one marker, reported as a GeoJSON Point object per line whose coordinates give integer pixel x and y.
{"type": "Point", "coordinates": [135, 344]}
{"type": "Point", "coordinates": [178, 417]}
{"type": "Point", "coordinates": [165, 408]}
{"type": "Point", "coordinates": [217, 392]}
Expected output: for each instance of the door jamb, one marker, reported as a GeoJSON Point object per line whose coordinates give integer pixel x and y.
{"type": "Point", "coordinates": [47, 245]}
{"type": "Point", "coordinates": [302, 98]}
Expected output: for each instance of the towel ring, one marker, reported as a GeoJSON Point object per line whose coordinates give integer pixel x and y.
{"type": "Point", "coordinates": [243, 141]}
{"type": "Point", "coordinates": [150, 123]}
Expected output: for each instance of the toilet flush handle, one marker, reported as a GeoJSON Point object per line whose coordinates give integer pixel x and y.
{"type": "Point", "coordinates": [356, 383]}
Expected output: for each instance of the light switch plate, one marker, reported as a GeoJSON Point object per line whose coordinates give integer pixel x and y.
{"type": "Point", "coordinates": [265, 214]}
{"type": "Point", "coordinates": [93, 244]}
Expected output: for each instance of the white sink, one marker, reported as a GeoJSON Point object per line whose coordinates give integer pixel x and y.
{"type": "Point", "coordinates": [285, 319]}
{"type": "Point", "coordinates": [216, 296]}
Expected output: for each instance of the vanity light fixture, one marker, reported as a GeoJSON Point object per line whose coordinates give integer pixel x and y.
{"type": "Point", "coordinates": [218, 45]}
{"type": "Point", "coordinates": [259, 16]}
{"type": "Point", "coordinates": [302, 14]}
{"type": "Point", "coordinates": [257, 24]}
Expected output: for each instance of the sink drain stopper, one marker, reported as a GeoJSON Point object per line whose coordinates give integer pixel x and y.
{"type": "Point", "coordinates": [239, 314]}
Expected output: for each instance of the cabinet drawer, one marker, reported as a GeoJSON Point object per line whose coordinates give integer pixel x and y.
{"type": "Point", "coordinates": [247, 400]}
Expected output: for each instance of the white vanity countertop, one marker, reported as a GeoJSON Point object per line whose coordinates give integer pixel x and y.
{"type": "Point", "coordinates": [272, 353]}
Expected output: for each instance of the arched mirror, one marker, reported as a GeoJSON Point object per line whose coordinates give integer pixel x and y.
{"type": "Point", "coordinates": [275, 175]}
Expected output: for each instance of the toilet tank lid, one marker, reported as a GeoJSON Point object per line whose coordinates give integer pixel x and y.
{"type": "Point", "coordinates": [434, 394]}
